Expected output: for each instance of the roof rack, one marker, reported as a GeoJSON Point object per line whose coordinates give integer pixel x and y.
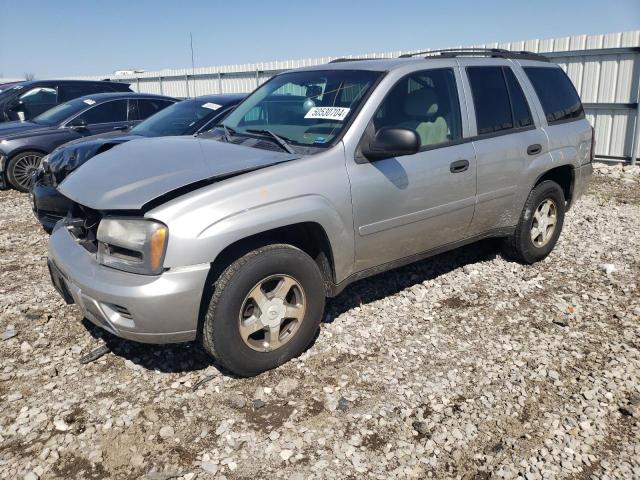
{"type": "Point", "coordinates": [342, 60]}
{"type": "Point", "coordinates": [478, 52]}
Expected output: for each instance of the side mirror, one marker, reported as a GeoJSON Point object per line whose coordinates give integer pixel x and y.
{"type": "Point", "coordinates": [78, 124]}
{"type": "Point", "coordinates": [391, 142]}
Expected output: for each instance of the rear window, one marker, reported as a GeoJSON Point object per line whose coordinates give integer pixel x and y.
{"type": "Point", "coordinates": [151, 106]}
{"type": "Point", "coordinates": [71, 91]}
{"type": "Point", "coordinates": [491, 99]}
{"type": "Point", "coordinates": [558, 96]}
{"type": "Point", "coordinates": [521, 112]}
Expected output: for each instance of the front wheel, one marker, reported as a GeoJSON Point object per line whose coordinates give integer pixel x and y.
{"type": "Point", "coordinates": [20, 169]}
{"type": "Point", "coordinates": [539, 226]}
{"type": "Point", "coordinates": [265, 310]}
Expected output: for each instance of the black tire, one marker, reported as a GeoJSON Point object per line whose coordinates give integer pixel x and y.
{"type": "Point", "coordinates": [519, 246]}
{"type": "Point", "coordinates": [220, 332]}
{"type": "Point", "coordinates": [21, 165]}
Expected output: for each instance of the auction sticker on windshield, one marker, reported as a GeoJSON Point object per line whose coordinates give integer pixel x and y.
{"type": "Point", "coordinates": [328, 113]}
{"type": "Point", "coordinates": [211, 105]}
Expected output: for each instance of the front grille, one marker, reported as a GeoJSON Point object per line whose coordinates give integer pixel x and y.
{"type": "Point", "coordinates": [82, 222]}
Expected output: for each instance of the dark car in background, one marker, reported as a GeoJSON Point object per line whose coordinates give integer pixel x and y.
{"type": "Point", "coordinates": [189, 117]}
{"type": "Point", "coordinates": [23, 144]}
{"type": "Point", "coordinates": [28, 99]}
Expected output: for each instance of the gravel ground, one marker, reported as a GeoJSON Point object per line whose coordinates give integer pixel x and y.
{"type": "Point", "coordinates": [465, 366]}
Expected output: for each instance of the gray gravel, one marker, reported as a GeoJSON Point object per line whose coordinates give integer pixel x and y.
{"type": "Point", "coordinates": [465, 366]}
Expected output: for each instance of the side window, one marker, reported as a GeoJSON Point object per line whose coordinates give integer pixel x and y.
{"type": "Point", "coordinates": [39, 96]}
{"type": "Point", "coordinates": [426, 102]}
{"type": "Point", "coordinates": [150, 106]}
{"type": "Point", "coordinates": [521, 111]}
{"type": "Point", "coordinates": [558, 96]}
{"type": "Point", "coordinates": [490, 98]}
{"type": "Point", "coordinates": [69, 92]}
{"type": "Point", "coordinates": [110, 112]}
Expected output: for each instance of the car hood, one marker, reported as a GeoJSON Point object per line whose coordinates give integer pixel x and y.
{"type": "Point", "coordinates": [67, 158]}
{"type": "Point", "coordinates": [9, 130]}
{"type": "Point", "coordinates": [134, 174]}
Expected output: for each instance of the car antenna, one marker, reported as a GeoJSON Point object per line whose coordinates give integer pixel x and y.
{"type": "Point", "coordinates": [193, 69]}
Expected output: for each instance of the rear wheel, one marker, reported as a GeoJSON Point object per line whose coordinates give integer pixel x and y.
{"type": "Point", "coordinates": [265, 310]}
{"type": "Point", "coordinates": [20, 169]}
{"type": "Point", "coordinates": [539, 226]}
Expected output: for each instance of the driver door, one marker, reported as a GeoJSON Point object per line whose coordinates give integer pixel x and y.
{"type": "Point", "coordinates": [412, 204]}
{"type": "Point", "coordinates": [102, 118]}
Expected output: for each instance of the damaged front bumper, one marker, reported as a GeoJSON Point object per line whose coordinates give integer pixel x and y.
{"type": "Point", "coordinates": [49, 206]}
{"type": "Point", "coordinates": [143, 308]}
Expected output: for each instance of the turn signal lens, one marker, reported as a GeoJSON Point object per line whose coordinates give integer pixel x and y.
{"type": "Point", "coordinates": [156, 248]}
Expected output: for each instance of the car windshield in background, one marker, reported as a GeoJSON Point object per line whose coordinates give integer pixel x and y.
{"type": "Point", "coordinates": [8, 90]}
{"type": "Point", "coordinates": [308, 108]}
{"type": "Point", "coordinates": [180, 118]}
{"type": "Point", "coordinates": [61, 112]}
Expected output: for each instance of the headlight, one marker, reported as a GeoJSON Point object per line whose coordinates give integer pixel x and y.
{"type": "Point", "coordinates": [133, 245]}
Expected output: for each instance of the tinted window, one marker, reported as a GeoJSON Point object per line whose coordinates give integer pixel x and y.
{"type": "Point", "coordinates": [69, 92]}
{"type": "Point", "coordinates": [490, 98]}
{"type": "Point", "coordinates": [148, 107]}
{"type": "Point", "coordinates": [426, 102]}
{"type": "Point", "coordinates": [521, 111]}
{"type": "Point", "coordinates": [115, 111]}
{"type": "Point", "coordinates": [558, 97]}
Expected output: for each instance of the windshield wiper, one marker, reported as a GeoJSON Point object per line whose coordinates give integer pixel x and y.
{"type": "Point", "coordinates": [279, 140]}
{"type": "Point", "coordinates": [228, 131]}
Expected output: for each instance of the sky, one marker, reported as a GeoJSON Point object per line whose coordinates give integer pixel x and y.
{"type": "Point", "coordinates": [91, 37]}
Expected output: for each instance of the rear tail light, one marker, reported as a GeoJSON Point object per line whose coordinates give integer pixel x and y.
{"type": "Point", "coordinates": [593, 145]}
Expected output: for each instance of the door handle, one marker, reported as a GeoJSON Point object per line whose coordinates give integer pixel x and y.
{"type": "Point", "coordinates": [534, 149]}
{"type": "Point", "coordinates": [459, 166]}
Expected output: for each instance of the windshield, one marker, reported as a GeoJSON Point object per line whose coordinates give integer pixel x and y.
{"type": "Point", "coordinates": [181, 118]}
{"type": "Point", "coordinates": [307, 108]}
{"type": "Point", "coordinates": [61, 112]}
{"type": "Point", "coordinates": [8, 90]}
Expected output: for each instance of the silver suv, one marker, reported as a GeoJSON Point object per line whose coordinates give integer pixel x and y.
{"type": "Point", "coordinates": [321, 177]}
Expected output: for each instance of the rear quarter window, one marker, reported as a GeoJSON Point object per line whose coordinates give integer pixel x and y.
{"type": "Point", "coordinates": [558, 96]}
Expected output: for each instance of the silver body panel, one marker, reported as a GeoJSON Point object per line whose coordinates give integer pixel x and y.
{"type": "Point", "coordinates": [163, 309]}
{"type": "Point", "coordinates": [374, 214]}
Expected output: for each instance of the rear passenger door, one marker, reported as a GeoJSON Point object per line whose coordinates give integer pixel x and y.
{"type": "Point", "coordinates": [505, 138]}
{"type": "Point", "coordinates": [412, 204]}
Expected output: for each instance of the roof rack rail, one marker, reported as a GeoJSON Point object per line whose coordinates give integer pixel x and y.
{"type": "Point", "coordinates": [478, 52]}
{"type": "Point", "coordinates": [342, 60]}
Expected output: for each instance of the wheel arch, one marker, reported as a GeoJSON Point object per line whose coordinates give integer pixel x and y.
{"type": "Point", "coordinates": [25, 149]}
{"type": "Point", "coordinates": [563, 175]}
{"type": "Point", "coordinates": [310, 237]}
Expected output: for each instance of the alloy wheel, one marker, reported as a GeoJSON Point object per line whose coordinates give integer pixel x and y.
{"type": "Point", "coordinates": [24, 168]}
{"type": "Point", "coordinates": [272, 312]}
{"type": "Point", "coordinates": [544, 222]}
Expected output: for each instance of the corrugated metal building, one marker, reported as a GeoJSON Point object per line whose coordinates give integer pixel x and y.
{"type": "Point", "coordinates": [604, 68]}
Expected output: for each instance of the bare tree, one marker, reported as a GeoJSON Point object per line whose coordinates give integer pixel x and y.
{"type": "Point", "coordinates": [29, 76]}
